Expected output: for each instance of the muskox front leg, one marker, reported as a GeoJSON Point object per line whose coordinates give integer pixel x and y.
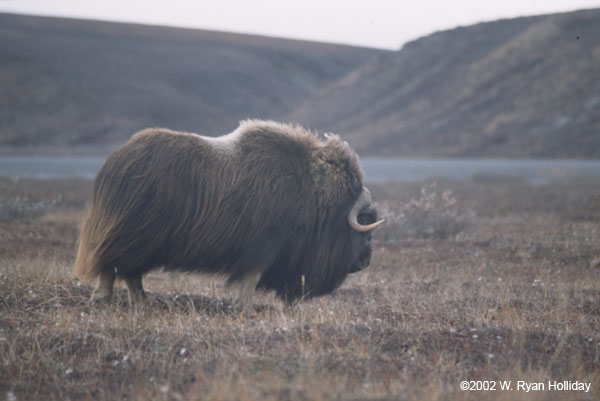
{"type": "Point", "coordinates": [246, 290]}
{"type": "Point", "coordinates": [136, 293]}
{"type": "Point", "coordinates": [104, 287]}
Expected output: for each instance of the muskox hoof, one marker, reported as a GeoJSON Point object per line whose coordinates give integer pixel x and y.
{"type": "Point", "coordinates": [241, 306]}
{"type": "Point", "coordinates": [100, 297]}
{"type": "Point", "coordinates": [137, 299]}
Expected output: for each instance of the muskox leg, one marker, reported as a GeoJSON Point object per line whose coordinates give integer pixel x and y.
{"type": "Point", "coordinates": [104, 287]}
{"type": "Point", "coordinates": [136, 292]}
{"type": "Point", "coordinates": [246, 290]}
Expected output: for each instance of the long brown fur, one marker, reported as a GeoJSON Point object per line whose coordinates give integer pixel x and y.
{"type": "Point", "coordinates": [268, 198]}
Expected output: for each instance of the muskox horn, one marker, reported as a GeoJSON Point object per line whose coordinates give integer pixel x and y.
{"type": "Point", "coordinates": [363, 200]}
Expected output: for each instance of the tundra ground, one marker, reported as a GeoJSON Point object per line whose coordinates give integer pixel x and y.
{"type": "Point", "coordinates": [487, 280]}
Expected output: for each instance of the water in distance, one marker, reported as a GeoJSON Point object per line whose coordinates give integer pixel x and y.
{"type": "Point", "coordinates": [534, 171]}
{"type": "Point", "coordinates": [376, 170]}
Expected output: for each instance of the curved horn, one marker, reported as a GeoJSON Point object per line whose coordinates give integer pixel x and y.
{"type": "Point", "coordinates": [363, 200]}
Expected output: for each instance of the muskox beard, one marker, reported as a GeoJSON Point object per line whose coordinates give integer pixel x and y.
{"type": "Point", "coordinates": [316, 267]}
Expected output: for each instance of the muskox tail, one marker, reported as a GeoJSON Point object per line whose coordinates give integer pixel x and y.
{"type": "Point", "coordinates": [86, 265]}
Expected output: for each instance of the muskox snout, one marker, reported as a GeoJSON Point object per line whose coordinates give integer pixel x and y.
{"type": "Point", "coordinates": [367, 215]}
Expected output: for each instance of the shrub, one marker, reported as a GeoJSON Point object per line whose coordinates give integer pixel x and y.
{"type": "Point", "coordinates": [23, 208]}
{"type": "Point", "coordinates": [432, 215]}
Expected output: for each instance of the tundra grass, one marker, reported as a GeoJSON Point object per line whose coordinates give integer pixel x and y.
{"type": "Point", "coordinates": [484, 281]}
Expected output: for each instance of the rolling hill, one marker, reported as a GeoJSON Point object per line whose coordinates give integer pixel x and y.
{"type": "Point", "coordinates": [67, 84]}
{"type": "Point", "coordinates": [525, 87]}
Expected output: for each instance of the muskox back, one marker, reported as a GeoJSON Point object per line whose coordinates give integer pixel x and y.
{"type": "Point", "coordinates": [254, 203]}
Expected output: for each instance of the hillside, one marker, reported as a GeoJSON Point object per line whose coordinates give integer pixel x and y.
{"type": "Point", "coordinates": [526, 87]}
{"type": "Point", "coordinates": [69, 84]}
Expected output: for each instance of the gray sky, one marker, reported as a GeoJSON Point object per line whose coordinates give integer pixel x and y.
{"type": "Point", "coordinates": [375, 23]}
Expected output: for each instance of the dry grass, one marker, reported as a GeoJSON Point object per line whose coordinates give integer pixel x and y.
{"type": "Point", "coordinates": [508, 292]}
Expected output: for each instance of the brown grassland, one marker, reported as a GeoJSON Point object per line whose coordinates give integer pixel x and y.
{"type": "Point", "coordinates": [482, 280]}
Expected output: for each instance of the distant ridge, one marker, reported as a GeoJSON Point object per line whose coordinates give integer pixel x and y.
{"type": "Point", "coordinates": [516, 88]}
{"type": "Point", "coordinates": [524, 87]}
{"type": "Point", "coordinates": [70, 84]}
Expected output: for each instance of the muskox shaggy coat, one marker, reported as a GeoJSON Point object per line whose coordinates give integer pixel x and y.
{"type": "Point", "coordinates": [267, 203]}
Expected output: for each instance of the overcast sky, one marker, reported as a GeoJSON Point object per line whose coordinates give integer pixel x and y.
{"type": "Point", "coordinates": [375, 23]}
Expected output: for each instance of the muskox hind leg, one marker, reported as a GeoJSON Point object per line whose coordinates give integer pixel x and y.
{"type": "Point", "coordinates": [104, 287]}
{"type": "Point", "coordinates": [136, 293]}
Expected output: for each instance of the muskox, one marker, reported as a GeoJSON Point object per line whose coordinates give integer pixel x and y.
{"type": "Point", "coordinates": [270, 206]}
